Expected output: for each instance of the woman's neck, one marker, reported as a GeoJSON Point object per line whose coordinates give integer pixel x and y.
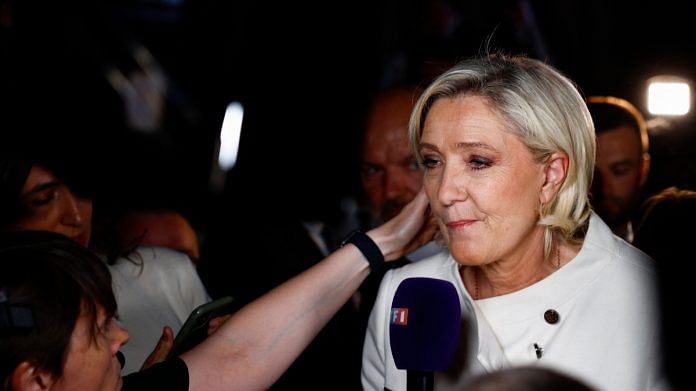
{"type": "Point", "coordinates": [515, 273]}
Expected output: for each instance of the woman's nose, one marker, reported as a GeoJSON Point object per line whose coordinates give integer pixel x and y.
{"type": "Point", "coordinates": [75, 211]}
{"type": "Point", "coordinates": [450, 190]}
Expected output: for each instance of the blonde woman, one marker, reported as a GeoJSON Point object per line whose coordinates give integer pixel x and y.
{"type": "Point", "coordinates": [508, 148]}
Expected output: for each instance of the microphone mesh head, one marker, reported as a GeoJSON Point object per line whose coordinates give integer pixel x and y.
{"type": "Point", "coordinates": [425, 324]}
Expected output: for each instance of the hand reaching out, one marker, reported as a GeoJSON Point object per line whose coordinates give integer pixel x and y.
{"type": "Point", "coordinates": [411, 228]}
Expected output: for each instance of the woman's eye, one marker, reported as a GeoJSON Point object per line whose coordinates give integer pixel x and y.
{"type": "Point", "coordinates": [478, 163]}
{"type": "Point", "coordinates": [43, 199]}
{"type": "Point", "coordinates": [429, 162]}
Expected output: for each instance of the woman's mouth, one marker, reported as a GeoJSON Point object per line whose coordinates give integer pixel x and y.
{"type": "Point", "coordinates": [459, 224]}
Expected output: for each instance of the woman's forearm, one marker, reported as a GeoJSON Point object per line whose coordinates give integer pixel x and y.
{"type": "Point", "coordinates": [255, 346]}
{"type": "Point", "coordinates": [267, 335]}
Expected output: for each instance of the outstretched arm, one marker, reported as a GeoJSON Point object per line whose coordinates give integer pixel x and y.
{"type": "Point", "coordinates": [255, 346]}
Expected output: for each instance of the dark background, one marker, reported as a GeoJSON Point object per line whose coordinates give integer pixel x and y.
{"type": "Point", "coordinates": [304, 73]}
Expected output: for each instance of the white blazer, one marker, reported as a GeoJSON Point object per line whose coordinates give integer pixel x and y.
{"type": "Point", "coordinates": [607, 333]}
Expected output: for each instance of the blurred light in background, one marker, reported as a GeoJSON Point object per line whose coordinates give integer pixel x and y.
{"type": "Point", "coordinates": [668, 95]}
{"type": "Point", "coordinates": [229, 135]}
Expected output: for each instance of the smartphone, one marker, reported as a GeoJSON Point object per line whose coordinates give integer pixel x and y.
{"type": "Point", "coordinates": [195, 329]}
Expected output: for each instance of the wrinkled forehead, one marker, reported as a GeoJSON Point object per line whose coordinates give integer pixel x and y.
{"type": "Point", "coordinates": [468, 113]}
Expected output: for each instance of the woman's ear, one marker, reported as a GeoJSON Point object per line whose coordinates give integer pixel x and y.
{"type": "Point", "coordinates": [555, 172]}
{"type": "Point", "coordinates": [27, 377]}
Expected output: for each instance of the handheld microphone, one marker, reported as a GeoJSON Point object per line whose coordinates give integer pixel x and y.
{"type": "Point", "coordinates": [424, 328]}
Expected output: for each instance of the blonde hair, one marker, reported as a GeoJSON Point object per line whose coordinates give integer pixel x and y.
{"type": "Point", "coordinates": [543, 108]}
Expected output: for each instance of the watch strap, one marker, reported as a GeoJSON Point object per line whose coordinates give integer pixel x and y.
{"type": "Point", "coordinates": [367, 247]}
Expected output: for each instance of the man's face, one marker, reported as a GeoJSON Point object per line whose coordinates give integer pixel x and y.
{"type": "Point", "coordinates": [390, 174]}
{"type": "Point", "coordinates": [620, 173]}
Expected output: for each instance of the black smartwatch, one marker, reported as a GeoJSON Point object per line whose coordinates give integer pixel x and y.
{"type": "Point", "coordinates": [367, 247]}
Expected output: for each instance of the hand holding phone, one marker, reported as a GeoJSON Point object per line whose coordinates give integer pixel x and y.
{"type": "Point", "coordinates": [195, 329]}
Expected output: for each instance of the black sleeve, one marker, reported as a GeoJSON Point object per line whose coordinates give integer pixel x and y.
{"type": "Point", "coordinates": [168, 375]}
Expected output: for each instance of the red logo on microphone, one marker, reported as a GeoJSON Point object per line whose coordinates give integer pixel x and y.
{"type": "Point", "coordinates": [399, 316]}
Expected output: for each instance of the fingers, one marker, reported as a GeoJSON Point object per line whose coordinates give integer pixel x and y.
{"type": "Point", "coordinates": [414, 217]}
{"type": "Point", "coordinates": [411, 228]}
{"type": "Point", "coordinates": [411, 216]}
{"type": "Point", "coordinates": [215, 323]}
{"type": "Point", "coordinates": [162, 349]}
{"type": "Point", "coordinates": [427, 233]}
{"type": "Point", "coordinates": [427, 228]}
{"type": "Point", "coordinates": [419, 202]}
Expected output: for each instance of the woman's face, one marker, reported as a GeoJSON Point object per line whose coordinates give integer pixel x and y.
{"type": "Point", "coordinates": [91, 363]}
{"type": "Point", "coordinates": [482, 181]}
{"type": "Point", "coordinates": [51, 206]}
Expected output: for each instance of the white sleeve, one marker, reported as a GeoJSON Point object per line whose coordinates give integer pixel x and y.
{"type": "Point", "coordinates": [374, 360]}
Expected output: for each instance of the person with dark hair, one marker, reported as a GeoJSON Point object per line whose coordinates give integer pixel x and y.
{"type": "Point", "coordinates": [51, 283]}
{"type": "Point", "coordinates": [156, 288]}
{"type": "Point", "coordinates": [68, 307]}
{"type": "Point", "coordinates": [661, 234]}
{"type": "Point", "coordinates": [658, 233]}
{"type": "Point", "coordinates": [623, 162]}
{"type": "Point", "coordinates": [390, 174]}
{"type": "Point", "coordinates": [508, 149]}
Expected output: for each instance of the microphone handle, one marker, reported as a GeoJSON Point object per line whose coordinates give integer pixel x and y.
{"type": "Point", "coordinates": [419, 380]}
